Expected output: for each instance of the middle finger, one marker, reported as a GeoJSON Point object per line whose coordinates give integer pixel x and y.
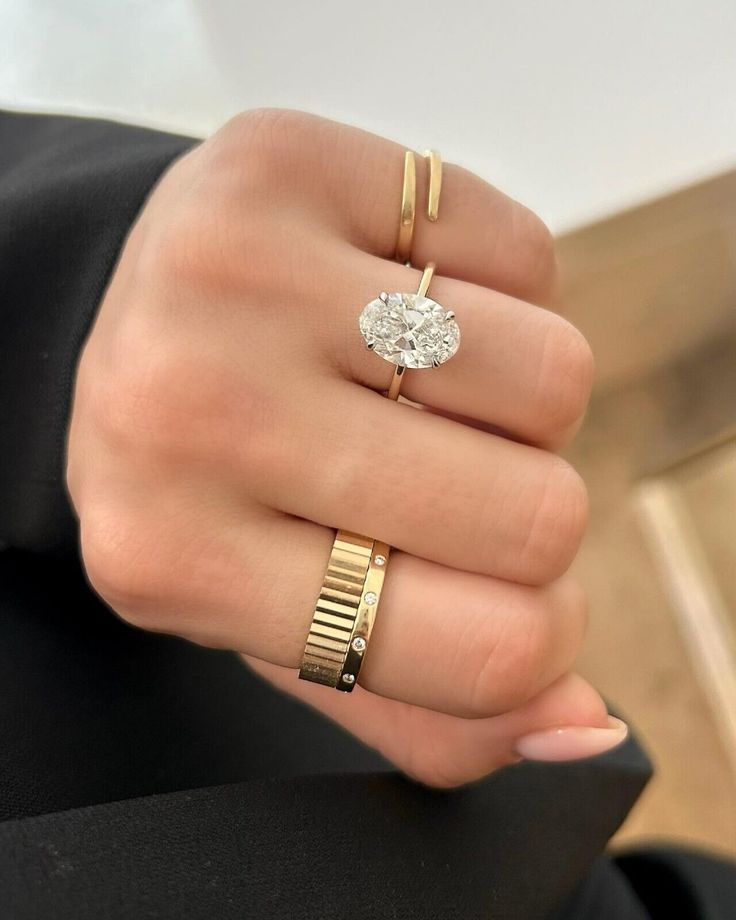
{"type": "Point", "coordinates": [519, 367]}
{"type": "Point", "coordinates": [425, 484]}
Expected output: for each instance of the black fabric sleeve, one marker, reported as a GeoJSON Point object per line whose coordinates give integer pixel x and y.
{"type": "Point", "coordinates": [69, 190]}
{"type": "Point", "coordinates": [143, 776]}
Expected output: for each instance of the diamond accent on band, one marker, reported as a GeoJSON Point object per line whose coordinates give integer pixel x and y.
{"type": "Point", "coordinates": [370, 598]}
{"type": "Point", "coordinates": [348, 678]}
{"type": "Point", "coordinates": [359, 644]}
{"type": "Point", "coordinates": [410, 330]}
{"type": "Point", "coordinates": [380, 560]}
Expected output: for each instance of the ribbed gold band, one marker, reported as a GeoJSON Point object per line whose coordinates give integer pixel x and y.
{"type": "Point", "coordinates": [345, 611]}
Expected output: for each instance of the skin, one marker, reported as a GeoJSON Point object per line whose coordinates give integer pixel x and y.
{"type": "Point", "coordinates": [227, 418]}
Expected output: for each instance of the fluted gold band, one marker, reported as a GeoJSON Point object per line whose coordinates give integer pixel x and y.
{"type": "Point", "coordinates": [345, 611]}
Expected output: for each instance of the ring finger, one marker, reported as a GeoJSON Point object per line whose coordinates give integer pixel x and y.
{"type": "Point", "coordinates": [249, 582]}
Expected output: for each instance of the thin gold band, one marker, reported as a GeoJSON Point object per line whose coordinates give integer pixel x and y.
{"type": "Point", "coordinates": [408, 209]}
{"type": "Point", "coordinates": [395, 386]}
{"type": "Point", "coordinates": [435, 184]}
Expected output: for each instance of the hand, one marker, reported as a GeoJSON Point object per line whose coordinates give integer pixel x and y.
{"type": "Point", "coordinates": [227, 418]}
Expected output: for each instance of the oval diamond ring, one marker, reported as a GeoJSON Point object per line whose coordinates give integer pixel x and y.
{"type": "Point", "coordinates": [410, 330]}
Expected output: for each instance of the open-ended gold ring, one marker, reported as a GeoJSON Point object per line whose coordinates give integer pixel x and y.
{"type": "Point", "coordinates": [409, 330]}
{"type": "Point", "coordinates": [408, 212]}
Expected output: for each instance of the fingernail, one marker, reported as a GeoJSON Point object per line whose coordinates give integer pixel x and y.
{"type": "Point", "coordinates": [571, 742]}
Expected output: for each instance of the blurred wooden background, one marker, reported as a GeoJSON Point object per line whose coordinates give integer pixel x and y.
{"type": "Point", "coordinates": [654, 290]}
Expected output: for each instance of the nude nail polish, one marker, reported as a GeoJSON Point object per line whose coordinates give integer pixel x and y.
{"type": "Point", "coordinates": [572, 742]}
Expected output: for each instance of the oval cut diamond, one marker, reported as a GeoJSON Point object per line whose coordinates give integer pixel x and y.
{"type": "Point", "coordinates": [410, 330]}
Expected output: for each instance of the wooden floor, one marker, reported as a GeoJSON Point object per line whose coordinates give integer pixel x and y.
{"type": "Point", "coordinates": [636, 653]}
{"type": "Point", "coordinates": [655, 292]}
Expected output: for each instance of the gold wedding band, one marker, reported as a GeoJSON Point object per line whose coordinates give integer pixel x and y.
{"type": "Point", "coordinates": [345, 611]}
{"type": "Point", "coordinates": [351, 589]}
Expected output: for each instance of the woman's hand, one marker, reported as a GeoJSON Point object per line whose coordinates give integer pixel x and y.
{"type": "Point", "coordinates": [227, 418]}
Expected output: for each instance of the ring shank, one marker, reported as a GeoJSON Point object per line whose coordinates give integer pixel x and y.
{"type": "Point", "coordinates": [408, 210]}
{"type": "Point", "coordinates": [394, 388]}
{"type": "Point", "coordinates": [407, 216]}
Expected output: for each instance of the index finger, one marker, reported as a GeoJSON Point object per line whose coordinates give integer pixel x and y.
{"type": "Point", "coordinates": [353, 180]}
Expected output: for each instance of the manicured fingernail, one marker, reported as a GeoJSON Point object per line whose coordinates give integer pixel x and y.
{"type": "Point", "coordinates": [571, 742]}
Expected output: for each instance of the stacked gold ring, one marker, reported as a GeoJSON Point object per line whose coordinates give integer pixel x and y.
{"type": "Point", "coordinates": [351, 589]}
{"type": "Point", "coordinates": [345, 611]}
{"type": "Point", "coordinates": [409, 200]}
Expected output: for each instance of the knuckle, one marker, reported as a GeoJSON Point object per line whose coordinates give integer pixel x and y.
{"type": "Point", "coordinates": [120, 564]}
{"type": "Point", "coordinates": [254, 125]}
{"type": "Point", "coordinates": [176, 404]}
{"type": "Point", "coordinates": [164, 402]}
{"type": "Point", "coordinates": [564, 379]}
{"type": "Point", "coordinates": [179, 254]}
{"type": "Point", "coordinates": [138, 398]}
{"type": "Point", "coordinates": [557, 524]}
{"type": "Point", "coordinates": [261, 273]}
{"type": "Point", "coordinates": [254, 162]}
{"type": "Point", "coordinates": [263, 145]}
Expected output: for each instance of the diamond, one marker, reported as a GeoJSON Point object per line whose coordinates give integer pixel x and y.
{"type": "Point", "coordinates": [380, 560]}
{"type": "Point", "coordinates": [358, 644]}
{"type": "Point", "coordinates": [410, 330]}
{"type": "Point", "coordinates": [348, 678]}
{"type": "Point", "coordinates": [371, 598]}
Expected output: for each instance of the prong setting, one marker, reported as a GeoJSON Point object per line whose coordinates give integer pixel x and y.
{"type": "Point", "coordinates": [409, 330]}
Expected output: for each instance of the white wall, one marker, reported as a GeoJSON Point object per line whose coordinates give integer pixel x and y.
{"type": "Point", "coordinates": [578, 108]}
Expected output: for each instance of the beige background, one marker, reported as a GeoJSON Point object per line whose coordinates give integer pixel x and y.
{"type": "Point", "coordinates": [654, 290]}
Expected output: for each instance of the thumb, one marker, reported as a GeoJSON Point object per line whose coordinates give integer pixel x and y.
{"type": "Point", "coordinates": [566, 721]}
